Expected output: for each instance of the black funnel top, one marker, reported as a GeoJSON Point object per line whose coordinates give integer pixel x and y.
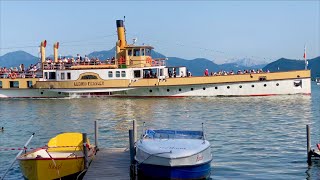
{"type": "Point", "coordinates": [119, 23]}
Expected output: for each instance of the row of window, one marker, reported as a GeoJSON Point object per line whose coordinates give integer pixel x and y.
{"type": "Point", "coordinates": [139, 52]}
{"type": "Point", "coordinates": [63, 76]}
{"type": "Point", "coordinates": [52, 75]}
{"type": "Point", "coordinates": [15, 84]}
{"type": "Point", "coordinates": [123, 74]}
{"type": "Point", "coordinates": [228, 87]}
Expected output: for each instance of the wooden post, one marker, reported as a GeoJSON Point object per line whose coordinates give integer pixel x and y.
{"type": "Point", "coordinates": [131, 144]}
{"type": "Point", "coordinates": [308, 145]}
{"type": "Point", "coordinates": [135, 133]}
{"type": "Point", "coordinates": [96, 134]}
{"type": "Point", "coordinates": [85, 150]}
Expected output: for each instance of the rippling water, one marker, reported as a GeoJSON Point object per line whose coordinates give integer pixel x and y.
{"type": "Point", "coordinates": [251, 137]}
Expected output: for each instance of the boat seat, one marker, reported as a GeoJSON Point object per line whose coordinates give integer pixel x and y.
{"type": "Point", "coordinates": [66, 142]}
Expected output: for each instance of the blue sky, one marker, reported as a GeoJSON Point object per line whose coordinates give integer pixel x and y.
{"type": "Point", "coordinates": [218, 30]}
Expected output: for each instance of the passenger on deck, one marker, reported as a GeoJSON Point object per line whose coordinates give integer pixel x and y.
{"type": "Point", "coordinates": [64, 60]}
{"type": "Point", "coordinates": [86, 59]}
{"type": "Point", "coordinates": [148, 74]}
{"type": "Point", "coordinates": [174, 72]}
{"type": "Point", "coordinates": [206, 72]}
{"type": "Point", "coordinates": [22, 67]}
{"type": "Point", "coordinates": [113, 60]}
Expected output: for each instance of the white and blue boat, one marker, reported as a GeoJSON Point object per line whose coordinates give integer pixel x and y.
{"type": "Point", "coordinates": [172, 154]}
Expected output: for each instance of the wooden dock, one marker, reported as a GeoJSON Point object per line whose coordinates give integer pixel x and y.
{"type": "Point", "coordinates": [110, 163]}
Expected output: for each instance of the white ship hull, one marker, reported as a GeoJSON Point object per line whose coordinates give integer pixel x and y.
{"type": "Point", "coordinates": [261, 88]}
{"type": "Point", "coordinates": [30, 93]}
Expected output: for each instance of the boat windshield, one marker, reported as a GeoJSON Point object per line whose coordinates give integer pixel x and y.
{"type": "Point", "coordinates": [173, 134]}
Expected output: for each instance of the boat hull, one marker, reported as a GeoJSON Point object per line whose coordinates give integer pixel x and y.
{"type": "Point", "coordinates": [149, 171]}
{"type": "Point", "coordinates": [48, 169]}
{"type": "Point", "coordinates": [171, 154]}
{"type": "Point", "coordinates": [30, 93]}
{"type": "Point", "coordinates": [62, 157]}
{"type": "Point", "coordinates": [257, 88]}
{"type": "Point", "coordinates": [260, 88]}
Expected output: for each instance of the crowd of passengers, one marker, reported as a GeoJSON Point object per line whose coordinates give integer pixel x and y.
{"type": "Point", "coordinates": [224, 73]}
{"type": "Point", "coordinates": [79, 60]}
{"type": "Point", "coordinates": [21, 71]}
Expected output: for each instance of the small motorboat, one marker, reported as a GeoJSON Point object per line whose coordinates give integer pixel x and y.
{"type": "Point", "coordinates": [173, 154]}
{"type": "Point", "coordinates": [61, 158]}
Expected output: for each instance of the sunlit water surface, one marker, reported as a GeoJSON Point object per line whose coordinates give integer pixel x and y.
{"type": "Point", "coordinates": [251, 137]}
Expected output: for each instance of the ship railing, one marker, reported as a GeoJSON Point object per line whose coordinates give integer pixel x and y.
{"type": "Point", "coordinates": [68, 65]}
{"type": "Point", "coordinates": [19, 74]}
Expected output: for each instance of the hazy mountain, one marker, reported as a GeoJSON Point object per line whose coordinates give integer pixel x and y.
{"type": "Point", "coordinates": [103, 54]}
{"type": "Point", "coordinates": [16, 58]}
{"type": "Point", "coordinates": [111, 53]}
{"type": "Point", "coordinates": [284, 64]}
{"type": "Point", "coordinates": [232, 66]}
{"type": "Point", "coordinates": [247, 62]}
{"type": "Point", "coordinates": [196, 66]}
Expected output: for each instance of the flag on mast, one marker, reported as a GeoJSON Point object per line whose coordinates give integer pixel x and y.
{"type": "Point", "coordinates": [305, 57]}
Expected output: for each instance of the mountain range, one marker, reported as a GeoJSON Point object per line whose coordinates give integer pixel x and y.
{"type": "Point", "coordinates": [195, 66]}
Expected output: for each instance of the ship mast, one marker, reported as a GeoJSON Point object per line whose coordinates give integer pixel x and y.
{"type": "Point", "coordinates": [305, 58]}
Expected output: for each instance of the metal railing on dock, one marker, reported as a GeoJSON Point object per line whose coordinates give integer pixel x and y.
{"type": "Point", "coordinates": [113, 163]}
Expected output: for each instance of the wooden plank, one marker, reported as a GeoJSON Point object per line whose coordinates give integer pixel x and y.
{"type": "Point", "coordinates": [110, 163]}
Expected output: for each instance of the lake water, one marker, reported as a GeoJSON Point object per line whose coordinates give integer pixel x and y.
{"type": "Point", "coordinates": [251, 137]}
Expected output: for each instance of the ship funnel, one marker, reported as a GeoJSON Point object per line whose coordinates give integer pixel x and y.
{"type": "Point", "coordinates": [55, 51]}
{"type": "Point", "coordinates": [121, 34]}
{"type": "Point", "coordinates": [43, 45]}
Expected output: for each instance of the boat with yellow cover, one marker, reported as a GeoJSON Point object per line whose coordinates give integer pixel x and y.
{"type": "Point", "coordinates": [61, 158]}
{"type": "Point", "coordinates": [133, 72]}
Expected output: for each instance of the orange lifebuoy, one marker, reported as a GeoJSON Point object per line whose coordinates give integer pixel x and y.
{"type": "Point", "coordinates": [149, 60]}
{"type": "Point", "coordinates": [121, 60]}
{"type": "Point", "coordinates": [13, 75]}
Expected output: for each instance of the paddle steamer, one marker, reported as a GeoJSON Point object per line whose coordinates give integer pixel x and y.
{"type": "Point", "coordinates": [135, 73]}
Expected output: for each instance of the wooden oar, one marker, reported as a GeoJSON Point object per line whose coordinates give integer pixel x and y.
{"type": "Point", "coordinates": [25, 145]}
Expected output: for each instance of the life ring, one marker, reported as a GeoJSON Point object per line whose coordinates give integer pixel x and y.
{"type": "Point", "coordinates": [33, 75]}
{"type": "Point", "coordinates": [13, 75]}
{"type": "Point", "coordinates": [121, 60]}
{"type": "Point", "coordinates": [23, 76]}
{"type": "Point", "coordinates": [149, 60]}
